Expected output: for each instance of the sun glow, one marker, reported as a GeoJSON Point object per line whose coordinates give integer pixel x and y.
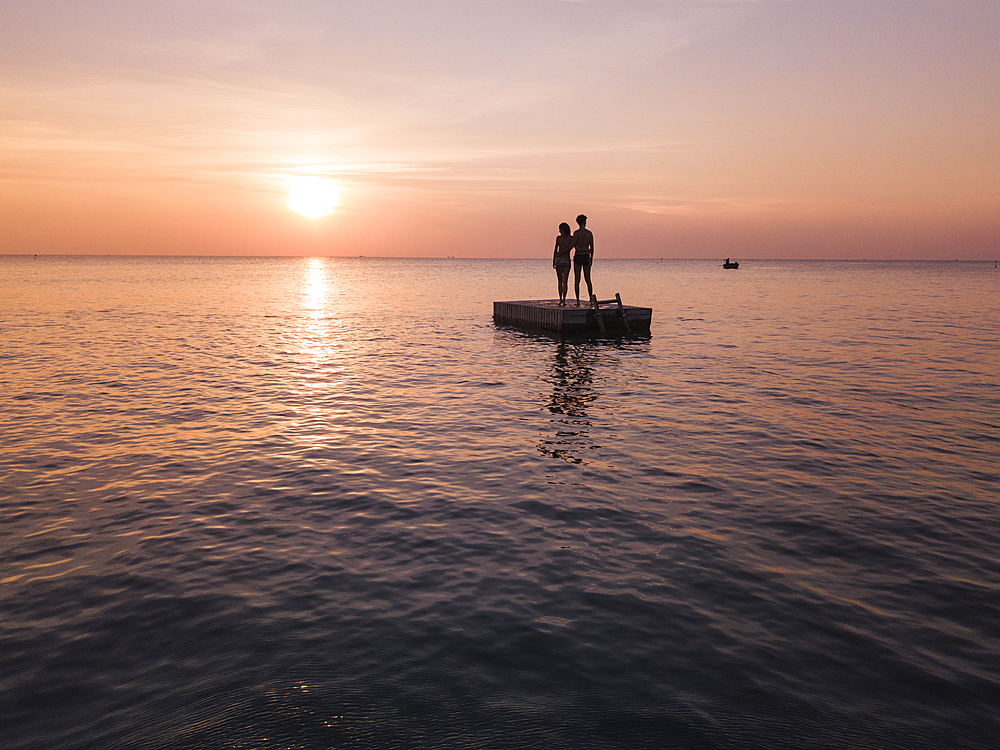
{"type": "Point", "coordinates": [313, 197]}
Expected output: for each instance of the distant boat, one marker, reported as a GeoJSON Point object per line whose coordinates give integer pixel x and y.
{"type": "Point", "coordinates": [734, 264]}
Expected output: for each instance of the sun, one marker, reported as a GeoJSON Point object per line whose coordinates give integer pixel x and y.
{"type": "Point", "coordinates": [313, 197]}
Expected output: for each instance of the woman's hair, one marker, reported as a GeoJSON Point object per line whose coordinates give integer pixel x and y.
{"type": "Point", "coordinates": [564, 228]}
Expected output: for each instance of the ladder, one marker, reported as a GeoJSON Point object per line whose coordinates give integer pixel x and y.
{"type": "Point", "coordinates": [619, 312]}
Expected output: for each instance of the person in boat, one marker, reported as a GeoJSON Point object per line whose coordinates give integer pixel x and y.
{"type": "Point", "coordinates": [583, 258]}
{"type": "Point", "coordinates": [561, 260]}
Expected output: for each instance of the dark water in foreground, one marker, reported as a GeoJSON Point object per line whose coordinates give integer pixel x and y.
{"type": "Point", "coordinates": [262, 503]}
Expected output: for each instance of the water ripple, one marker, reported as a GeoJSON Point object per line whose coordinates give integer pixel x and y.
{"type": "Point", "coordinates": [239, 510]}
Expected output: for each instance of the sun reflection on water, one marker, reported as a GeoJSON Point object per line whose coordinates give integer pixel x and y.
{"type": "Point", "coordinates": [314, 337]}
{"type": "Point", "coordinates": [315, 292]}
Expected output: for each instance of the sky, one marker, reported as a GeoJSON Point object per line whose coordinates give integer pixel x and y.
{"type": "Point", "coordinates": [472, 128]}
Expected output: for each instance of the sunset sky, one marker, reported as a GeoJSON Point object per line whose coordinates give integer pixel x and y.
{"type": "Point", "coordinates": [682, 128]}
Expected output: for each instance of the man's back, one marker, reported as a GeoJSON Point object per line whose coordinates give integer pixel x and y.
{"type": "Point", "coordinates": [583, 240]}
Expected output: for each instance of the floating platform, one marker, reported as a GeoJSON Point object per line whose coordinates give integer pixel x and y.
{"type": "Point", "coordinates": [549, 315]}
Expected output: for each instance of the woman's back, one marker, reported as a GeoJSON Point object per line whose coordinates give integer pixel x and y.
{"type": "Point", "coordinates": [564, 244]}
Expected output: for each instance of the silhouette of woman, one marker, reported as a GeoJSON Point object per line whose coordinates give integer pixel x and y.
{"type": "Point", "coordinates": [561, 260]}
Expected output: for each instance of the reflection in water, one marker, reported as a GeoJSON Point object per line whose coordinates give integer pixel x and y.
{"type": "Point", "coordinates": [319, 358]}
{"type": "Point", "coordinates": [315, 287]}
{"type": "Point", "coordinates": [314, 334]}
{"type": "Point", "coordinates": [573, 392]}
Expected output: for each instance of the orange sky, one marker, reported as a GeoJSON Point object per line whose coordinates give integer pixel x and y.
{"type": "Point", "coordinates": [694, 128]}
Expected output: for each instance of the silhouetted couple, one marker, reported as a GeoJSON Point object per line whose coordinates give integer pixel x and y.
{"type": "Point", "coordinates": [582, 241]}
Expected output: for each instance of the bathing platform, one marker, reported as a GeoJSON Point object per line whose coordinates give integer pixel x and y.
{"type": "Point", "coordinates": [599, 315]}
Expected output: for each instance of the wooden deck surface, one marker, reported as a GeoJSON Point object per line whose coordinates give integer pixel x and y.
{"type": "Point", "coordinates": [549, 315]}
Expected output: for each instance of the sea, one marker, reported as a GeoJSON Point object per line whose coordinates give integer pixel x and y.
{"type": "Point", "coordinates": [328, 503]}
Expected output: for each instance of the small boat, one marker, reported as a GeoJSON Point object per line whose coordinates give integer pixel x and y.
{"type": "Point", "coordinates": [734, 264]}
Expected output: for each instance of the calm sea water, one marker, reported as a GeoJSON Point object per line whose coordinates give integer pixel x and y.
{"type": "Point", "coordinates": [326, 503]}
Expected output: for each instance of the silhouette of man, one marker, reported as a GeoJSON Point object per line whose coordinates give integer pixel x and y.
{"type": "Point", "coordinates": [583, 258]}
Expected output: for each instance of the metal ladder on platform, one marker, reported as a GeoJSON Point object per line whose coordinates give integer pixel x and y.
{"type": "Point", "coordinates": [620, 312]}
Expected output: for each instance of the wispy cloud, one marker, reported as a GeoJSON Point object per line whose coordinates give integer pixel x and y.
{"type": "Point", "coordinates": [660, 107]}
